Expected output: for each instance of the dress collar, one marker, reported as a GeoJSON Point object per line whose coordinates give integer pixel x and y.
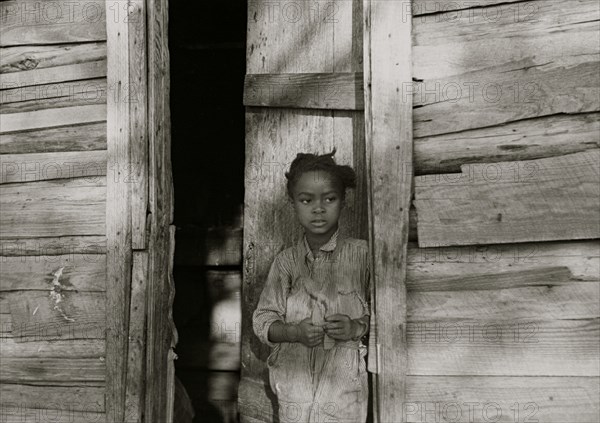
{"type": "Point", "coordinates": [329, 246]}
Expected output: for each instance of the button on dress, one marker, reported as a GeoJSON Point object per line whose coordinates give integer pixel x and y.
{"type": "Point", "coordinates": [326, 383]}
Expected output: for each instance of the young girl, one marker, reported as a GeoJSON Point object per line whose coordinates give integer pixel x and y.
{"type": "Point", "coordinates": [313, 310]}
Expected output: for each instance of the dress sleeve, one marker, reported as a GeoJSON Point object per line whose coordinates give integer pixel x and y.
{"type": "Point", "coordinates": [271, 305]}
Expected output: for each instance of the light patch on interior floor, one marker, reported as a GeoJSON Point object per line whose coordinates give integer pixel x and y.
{"type": "Point", "coordinates": [56, 293]}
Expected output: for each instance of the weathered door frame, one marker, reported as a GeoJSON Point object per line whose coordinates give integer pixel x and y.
{"type": "Point", "coordinates": [139, 215]}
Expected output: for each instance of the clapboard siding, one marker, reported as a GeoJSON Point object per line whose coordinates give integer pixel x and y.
{"type": "Point", "coordinates": [531, 200]}
{"type": "Point", "coordinates": [79, 398]}
{"type": "Point", "coordinates": [46, 166]}
{"type": "Point", "coordinates": [504, 348]}
{"type": "Point", "coordinates": [78, 137]}
{"type": "Point", "coordinates": [59, 245]}
{"type": "Point", "coordinates": [467, 399]}
{"type": "Point", "coordinates": [47, 118]}
{"type": "Point", "coordinates": [25, 79]}
{"type": "Point", "coordinates": [539, 63]}
{"type": "Point", "coordinates": [528, 139]}
{"type": "Point", "coordinates": [27, 22]}
{"type": "Point", "coordinates": [37, 57]}
{"type": "Point", "coordinates": [80, 272]}
{"type": "Point", "coordinates": [53, 208]}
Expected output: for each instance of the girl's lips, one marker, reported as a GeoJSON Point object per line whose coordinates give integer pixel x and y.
{"type": "Point", "coordinates": [318, 222]}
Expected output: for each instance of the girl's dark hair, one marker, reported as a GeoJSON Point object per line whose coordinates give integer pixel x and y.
{"type": "Point", "coordinates": [344, 176]}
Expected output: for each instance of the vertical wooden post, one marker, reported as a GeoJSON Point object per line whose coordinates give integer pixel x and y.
{"type": "Point", "coordinates": [388, 126]}
{"type": "Point", "coordinates": [118, 212]}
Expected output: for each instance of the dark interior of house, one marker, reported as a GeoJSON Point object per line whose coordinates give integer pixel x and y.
{"type": "Point", "coordinates": [207, 42]}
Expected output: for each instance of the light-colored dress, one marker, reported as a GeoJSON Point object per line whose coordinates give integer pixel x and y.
{"type": "Point", "coordinates": [326, 383]}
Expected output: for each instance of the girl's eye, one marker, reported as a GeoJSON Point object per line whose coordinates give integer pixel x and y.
{"type": "Point", "coordinates": [331, 199]}
{"type": "Point", "coordinates": [304, 201]}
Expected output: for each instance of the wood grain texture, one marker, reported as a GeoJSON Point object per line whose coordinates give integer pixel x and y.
{"type": "Point", "coordinates": [34, 22]}
{"type": "Point", "coordinates": [30, 57]}
{"type": "Point", "coordinates": [134, 395]}
{"type": "Point", "coordinates": [80, 272]}
{"type": "Point", "coordinates": [161, 334]}
{"type": "Point", "coordinates": [31, 209]}
{"type": "Point", "coordinates": [55, 314]}
{"type": "Point", "coordinates": [388, 125]}
{"type": "Point", "coordinates": [53, 246]}
{"type": "Point", "coordinates": [33, 415]}
{"type": "Point", "coordinates": [76, 398]}
{"type": "Point", "coordinates": [82, 137]}
{"type": "Point", "coordinates": [526, 347]}
{"type": "Point", "coordinates": [481, 399]}
{"type": "Point", "coordinates": [522, 140]}
{"type": "Point", "coordinates": [138, 87]}
{"type": "Point", "coordinates": [502, 266]}
{"type": "Point", "coordinates": [504, 63]}
{"type": "Point", "coordinates": [58, 95]}
{"type": "Point", "coordinates": [48, 118]}
{"type": "Point", "coordinates": [118, 216]}
{"type": "Point", "coordinates": [339, 91]}
{"type": "Point", "coordinates": [532, 200]}
{"type": "Point", "coordinates": [57, 74]}
{"type": "Point", "coordinates": [46, 166]}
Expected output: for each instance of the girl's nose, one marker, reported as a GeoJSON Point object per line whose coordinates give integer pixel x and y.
{"type": "Point", "coordinates": [318, 208]}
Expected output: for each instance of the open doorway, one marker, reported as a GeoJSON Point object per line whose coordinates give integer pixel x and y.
{"type": "Point", "coordinates": [207, 42]}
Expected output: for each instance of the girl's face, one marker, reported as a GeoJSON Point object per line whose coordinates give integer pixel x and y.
{"type": "Point", "coordinates": [318, 203]}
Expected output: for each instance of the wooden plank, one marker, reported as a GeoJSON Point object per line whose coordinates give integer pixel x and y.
{"type": "Point", "coordinates": [77, 272]}
{"type": "Point", "coordinates": [516, 399]}
{"type": "Point", "coordinates": [472, 71]}
{"type": "Point", "coordinates": [91, 136]}
{"type": "Point", "coordinates": [85, 70]}
{"type": "Point", "coordinates": [30, 415]}
{"type": "Point", "coordinates": [29, 57]}
{"type": "Point", "coordinates": [46, 166]}
{"type": "Point", "coordinates": [47, 246]}
{"type": "Point", "coordinates": [79, 348]}
{"type": "Point", "coordinates": [52, 117]}
{"type": "Point", "coordinates": [55, 314]}
{"type": "Point", "coordinates": [547, 199]}
{"type": "Point", "coordinates": [48, 370]}
{"type": "Point", "coordinates": [76, 398]}
{"type": "Point", "coordinates": [64, 94]}
{"type": "Point", "coordinates": [134, 395]}
{"type": "Point", "coordinates": [388, 117]}
{"type": "Point", "coordinates": [34, 22]}
{"type": "Point", "coordinates": [63, 207]}
{"type": "Point", "coordinates": [161, 333]}
{"type": "Point", "coordinates": [340, 91]}
{"type": "Point", "coordinates": [504, 348]}
{"type": "Point", "coordinates": [118, 216]}
{"type": "Point", "coordinates": [138, 91]}
{"type": "Point", "coordinates": [522, 140]}
{"type": "Point", "coordinates": [577, 300]}
{"type": "Point", "coordinates": [502, 266]}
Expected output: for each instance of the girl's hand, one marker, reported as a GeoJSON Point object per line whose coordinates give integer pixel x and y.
{"type": "Point", "coordinates": [309, 334]}
{"type": "Point", "coordinates": [341, 327]}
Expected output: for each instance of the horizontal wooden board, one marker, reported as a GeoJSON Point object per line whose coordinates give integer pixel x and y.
{"type": "Point", "coordinates": [57, 74]}
{"type": "Point", "coordinates": [53, 208]}
{"type": "Point", "coordinates": [576, 300]}
{"type": "Point", "coordinates": [48, 370]}
{"type": "Point", "coordinates": [29, 57]}
{"type": "Point", "coordinates": [78, 272]}
{"type": "Point", "coordinates": [47, 246]}
{"type": "Point", "coordinates": [506, 399]}
{"type": "Point", "coordinates": [532, 200]}
{"type": "Point", "coordinates": [504, 348]}
{"type": "Point", "coordinates": [48, 118]}
{"type": "Point", "coordinates": [57, 95]}
{"type": "Point", "coordinates": [78, 348]}
{"type": "Point", "coordinates": [35, 415]}
{"type": "Point", "coordinates": [80, 137]}
{"type": "Point", "coordinates": [502, 266]}
{"type": "Point", "coordinates": [523, 140]}
{"type": "Point", "coordinates": [35, 22]}
{"type": "Point", "coordinates": [341, 91]}
{"type": "Point", "coordinates": [76, 398]}
{"type": "Point", "coordinates": [500, 65]}
{"type": "Point", "coordinates": [54, 314]}
{"type": "Point", "coordinates": [32, 167]}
